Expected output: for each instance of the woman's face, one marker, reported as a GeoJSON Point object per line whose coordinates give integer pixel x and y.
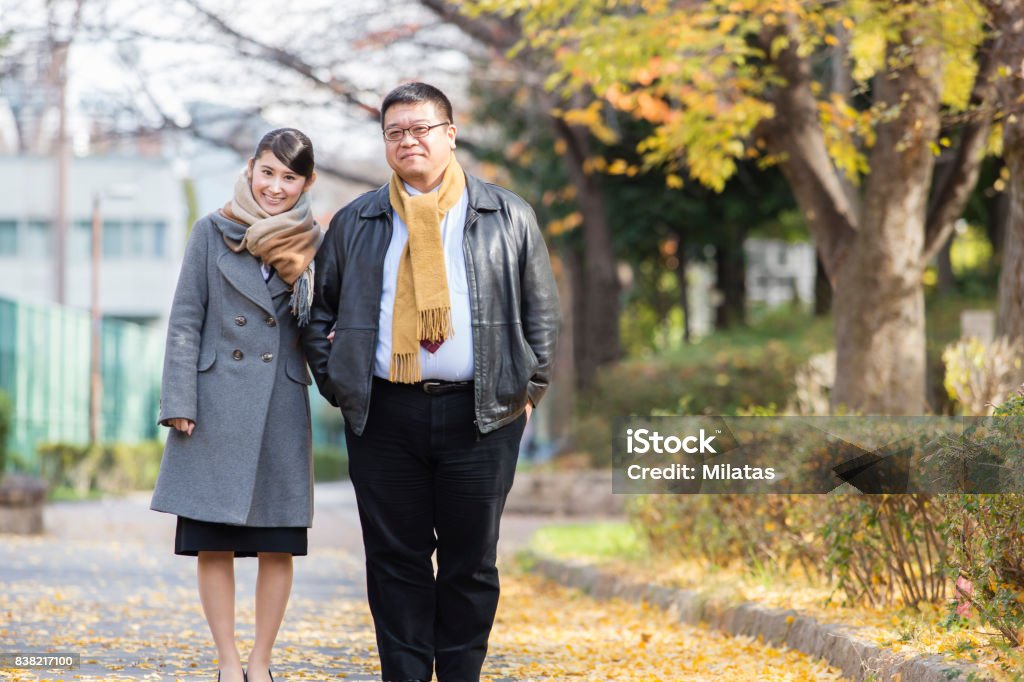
{"type": "Point", "coordinates": [275, 186]}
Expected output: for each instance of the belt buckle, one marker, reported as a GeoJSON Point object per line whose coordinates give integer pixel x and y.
{"type": "Point", "coordinates": [429, 386]}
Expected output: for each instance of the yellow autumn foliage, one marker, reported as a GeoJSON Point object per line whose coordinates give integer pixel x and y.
{"type": "Point", "coordinates": [696, 71]}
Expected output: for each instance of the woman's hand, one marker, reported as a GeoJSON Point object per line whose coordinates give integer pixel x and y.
{"type": "Point", "coordinates": [186, 426]}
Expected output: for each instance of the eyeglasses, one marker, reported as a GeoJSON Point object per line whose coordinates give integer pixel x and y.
{"type": "Point", "coordinates": [419, 130]}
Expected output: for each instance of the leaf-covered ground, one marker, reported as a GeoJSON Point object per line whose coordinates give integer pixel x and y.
{"type": "Point", "coordinates": [131, 611]}
{"type": "Point", "coordinates": [925, 630]}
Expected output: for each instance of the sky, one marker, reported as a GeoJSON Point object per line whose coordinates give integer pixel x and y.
{"type": "Point", "coordinates": [153, 57]}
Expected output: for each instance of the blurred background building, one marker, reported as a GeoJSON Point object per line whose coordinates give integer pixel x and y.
{"type": "Point", "coordinates": [143, 208]}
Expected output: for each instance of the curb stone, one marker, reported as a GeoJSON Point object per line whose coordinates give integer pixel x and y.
{"type": "Point", "coordinates": [838, 645]}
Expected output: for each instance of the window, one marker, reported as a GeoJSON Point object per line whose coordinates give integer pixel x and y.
{"type": "Point", "coordinates": [160, 239]}
{"type": "Point", "coordinates": [113, 239]}
{"type": "Point", "coordinates": [136, 242]}
{"type": "Point", "coordinates": [81, 240]}
{"type": "Point", "coordinates": [38, 239]}
{"type": "Point", "coordinates": [8, 237]}
{"type": "Point", "coordinates": [122, 239]}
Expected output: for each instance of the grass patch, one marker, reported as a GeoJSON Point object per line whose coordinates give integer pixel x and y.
{"type": "Point", "coordinates": [602, 540]}
{"type": "Point", "coordinates": [63, 493]}
{"type": "Point", "coordinates": [791, 326]}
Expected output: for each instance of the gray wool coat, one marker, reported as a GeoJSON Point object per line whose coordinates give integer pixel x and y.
{"type": "Point", "coordinates": [233, 365]}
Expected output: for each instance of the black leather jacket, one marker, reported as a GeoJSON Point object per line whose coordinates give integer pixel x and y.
{"type": "Point", "coordinates": [513, 300]}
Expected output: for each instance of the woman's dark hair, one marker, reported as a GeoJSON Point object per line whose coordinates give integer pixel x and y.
{"type": "Point", "coordinates": [291, 147]}
{"type": "Point", "coordinates": [414, 93]}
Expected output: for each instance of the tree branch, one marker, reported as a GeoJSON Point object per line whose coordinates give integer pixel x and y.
{"type": "Point", "coordinates": [501, 35]}
{"type": "Point", "coordinates": [795, 133]}
{"type": "Point", "coordinates": [233, 140]}
{"type": "Point", "coordinates": [961, 175]}
{"type": "Point", "coordinates": [287, 59]}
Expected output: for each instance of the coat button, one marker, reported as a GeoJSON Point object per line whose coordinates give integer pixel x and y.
{"type": "Point", "coordinates": [237, 354]}
{"type": "Point", "coordinates": [267, 357]}
{"type": "Point", "coordinates": [271, 322]}
{"type": "Point", "coordinates": [240, 320]}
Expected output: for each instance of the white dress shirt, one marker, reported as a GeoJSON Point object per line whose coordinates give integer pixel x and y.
{"type": "Point", "coordinates": [453, 361]}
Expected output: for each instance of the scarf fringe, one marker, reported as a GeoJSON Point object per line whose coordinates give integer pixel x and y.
{"type": "Point", "coordinates": [405, 368]}
{"type": "Point", "coordinates": [302, 296]}
{"type": "Point", "coordinates": [435, 324]}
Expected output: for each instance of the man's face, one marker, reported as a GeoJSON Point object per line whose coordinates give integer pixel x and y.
{"type": "Point", "coordinates": [419, 161]}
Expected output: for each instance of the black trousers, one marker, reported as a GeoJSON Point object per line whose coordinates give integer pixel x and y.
{"type": "Point", "coordinates": [425, 480]}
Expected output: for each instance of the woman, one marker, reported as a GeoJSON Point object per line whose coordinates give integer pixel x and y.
{"type": "Point", "coordinates": [237, 467]}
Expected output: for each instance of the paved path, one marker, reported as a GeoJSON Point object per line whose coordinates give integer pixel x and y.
{"type": "Point", "coordinates": [104, 582]}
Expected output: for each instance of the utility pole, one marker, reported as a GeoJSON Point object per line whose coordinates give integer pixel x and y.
{"type": "Point", "coordinates": [96, 319]}
{"type": "Point", "coordinates": [60, 59]}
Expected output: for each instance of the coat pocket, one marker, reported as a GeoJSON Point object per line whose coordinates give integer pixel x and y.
{"type": "Point", "coordinates": [206, 359]}
{"type": "Point", "coordinates": [297, 372]}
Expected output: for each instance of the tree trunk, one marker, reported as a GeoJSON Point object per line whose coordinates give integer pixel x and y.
{"type": "Point", "coordinates": [999, 221]}
{"type": "Point", "coordinates": [730, 280]}
{"type": "Point", "coordinates": [684, 289]}
{"type": "Point", "coordinates": [822, 290]}
{"type": "Point", "coordinates": [947, 280]}
{"type": "Point", "coordinates": [561, 398]}
{"type": "Point", "coordinates": [879, 297]}
{"type": "Point", "coordinates": [598, 340]}
{"type": "Point", "coordinates": [573, 258]}
{"type": "Point", "coordinates": [879, 316]}
{"type": "Point", "coordinates": [1010, 316]}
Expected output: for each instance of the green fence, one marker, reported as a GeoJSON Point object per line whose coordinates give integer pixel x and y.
{"type": "Point", "coordinates": [44, 369]}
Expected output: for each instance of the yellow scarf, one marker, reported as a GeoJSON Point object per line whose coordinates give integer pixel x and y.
{"type": "Point", "coordinates": [423, 308]}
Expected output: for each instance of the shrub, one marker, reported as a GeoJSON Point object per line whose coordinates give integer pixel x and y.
{"type": "Point", "coordinates": [986, 533]}
{"type": "Point", "coordinates": [330, 463]}
{"type": "Point", "coordinates": [813, 386]}
{"type": "Point", "coordinates": [67, 465]}
{"type": "Point", "coordinates": [980, 375]}
{"type": "Point", "coordinates": [110, 468]}
{"type": "Point", "coordinates": [881, 549]}
{"type": "Point", "coordinates": [124, 468]}
{"type": "Point", "coordinates": [718, 529]}
{"type": "Point", "coordinates": [732, 380]}
{"type": "Point", "coordinates": [887, 549]}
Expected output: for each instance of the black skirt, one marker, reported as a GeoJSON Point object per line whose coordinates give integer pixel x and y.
{"type": "Point", "coordinates": [194, 536]}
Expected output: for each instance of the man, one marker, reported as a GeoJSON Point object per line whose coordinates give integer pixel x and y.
{"type": "Point", "coordinates": [444, 312]}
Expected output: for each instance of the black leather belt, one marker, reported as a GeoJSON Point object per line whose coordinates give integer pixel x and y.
{"type": "Point", "coordinates": [438, 387]}
{"type": "Point", "coordinates": [434, 386]}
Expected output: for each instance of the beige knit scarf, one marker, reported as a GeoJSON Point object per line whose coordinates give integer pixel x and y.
{"type": "Point", "coordinates": [286, 242]}
{"type": "Point", "coordinates": [423, 309]}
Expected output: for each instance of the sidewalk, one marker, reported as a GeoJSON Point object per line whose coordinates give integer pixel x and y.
{"type": "Point", "coordinates": [104, 582]}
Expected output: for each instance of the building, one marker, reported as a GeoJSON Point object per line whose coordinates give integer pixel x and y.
{"type": "Point", "coordinates": [779, 272]}
{"type": "Point", "coordinates": [144, 215]}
